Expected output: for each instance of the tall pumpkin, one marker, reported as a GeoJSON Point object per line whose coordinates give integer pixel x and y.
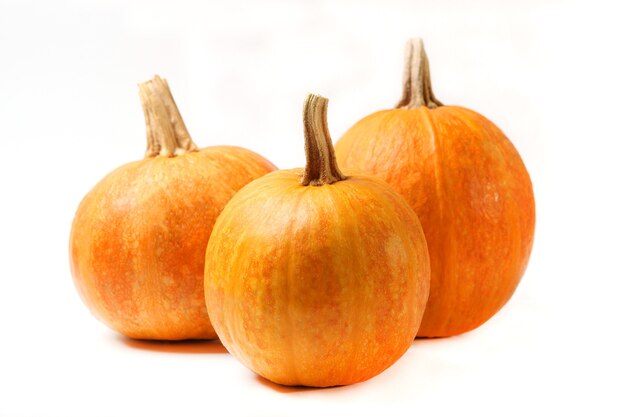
{"type": "Point", "coordinates": [468, 185]}
{"type": "Point", "coordinates": [316, 278]}
{"type": "Point", "coordinates": [139, 236]}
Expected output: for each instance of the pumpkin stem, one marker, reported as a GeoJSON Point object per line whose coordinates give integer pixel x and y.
{"type": "Point", "coordinates": [417, 89]}
{"type": "Point", "coordinates": [321, 164]}
{"type": "Point", "coordinates": [166, 132]}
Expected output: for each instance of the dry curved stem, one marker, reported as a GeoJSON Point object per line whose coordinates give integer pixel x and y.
{"type": "Point", "coordinates": [166, 132]}
{"type": "Point", "coordinates": [321, 164]}
{"type": "Point", "coordinates": [417, 89]}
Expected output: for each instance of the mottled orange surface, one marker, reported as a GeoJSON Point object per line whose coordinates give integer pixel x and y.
{"type": "Point", "coordinates": [473, 196]}
{"type": "Point", "coordinates": [317, 285]}
{"type": "Point", "coordinates": [139, 237]}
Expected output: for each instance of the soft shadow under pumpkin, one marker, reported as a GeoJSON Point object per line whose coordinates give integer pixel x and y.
{"type": "Point", "coordinates": [285, 389]}
{"type": "Point", "coordinates": [183, 346]}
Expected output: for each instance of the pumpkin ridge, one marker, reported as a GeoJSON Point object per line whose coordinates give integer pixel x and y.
{"type": "Point", "coordinates": [438, 173]}
{"type": "Point", "coordinates": [425, 114]}
{"type": "Point", "coordinates": [337, 201]}
{"type": "Point", "coordinates": [290, 268]}
{"type": "Point", "coordinates": [230, 290]}
{"type": "Point", "coordinates": [357, 331]}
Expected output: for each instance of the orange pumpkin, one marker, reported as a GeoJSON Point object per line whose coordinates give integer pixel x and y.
{"type": "Point", "coordinates": [139, 236]}
{"type": "Point", "coordinates": [469, 187]}
{"type": "Point", "coordinates": [314, 278]}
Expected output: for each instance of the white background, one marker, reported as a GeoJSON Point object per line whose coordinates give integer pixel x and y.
{"type": "Point", "coordinates": [550, 74]}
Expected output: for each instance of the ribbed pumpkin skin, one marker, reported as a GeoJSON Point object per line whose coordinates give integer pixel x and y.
{"type": "Point", "coordinates": [139, 237]}
{"type": "Point", "coordinates": [317, 285]}
{"type": "Point", "coordinates": [473, 196]}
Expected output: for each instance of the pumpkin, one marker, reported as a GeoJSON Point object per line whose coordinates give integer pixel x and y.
{"type": "Point", "coordinates": [139, 236]}
{"type": "Point", "coordinates": [469, 187]}
{"type": "Point", "coordinates": [316, 278]}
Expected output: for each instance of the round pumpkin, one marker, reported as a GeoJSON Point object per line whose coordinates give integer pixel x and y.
{"type": "Point", "coordinates": [469, 187]}
{"type": "Point", "coordinates": [139, 236]}
{"type": "Point", "coordinates": [315, 278]}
